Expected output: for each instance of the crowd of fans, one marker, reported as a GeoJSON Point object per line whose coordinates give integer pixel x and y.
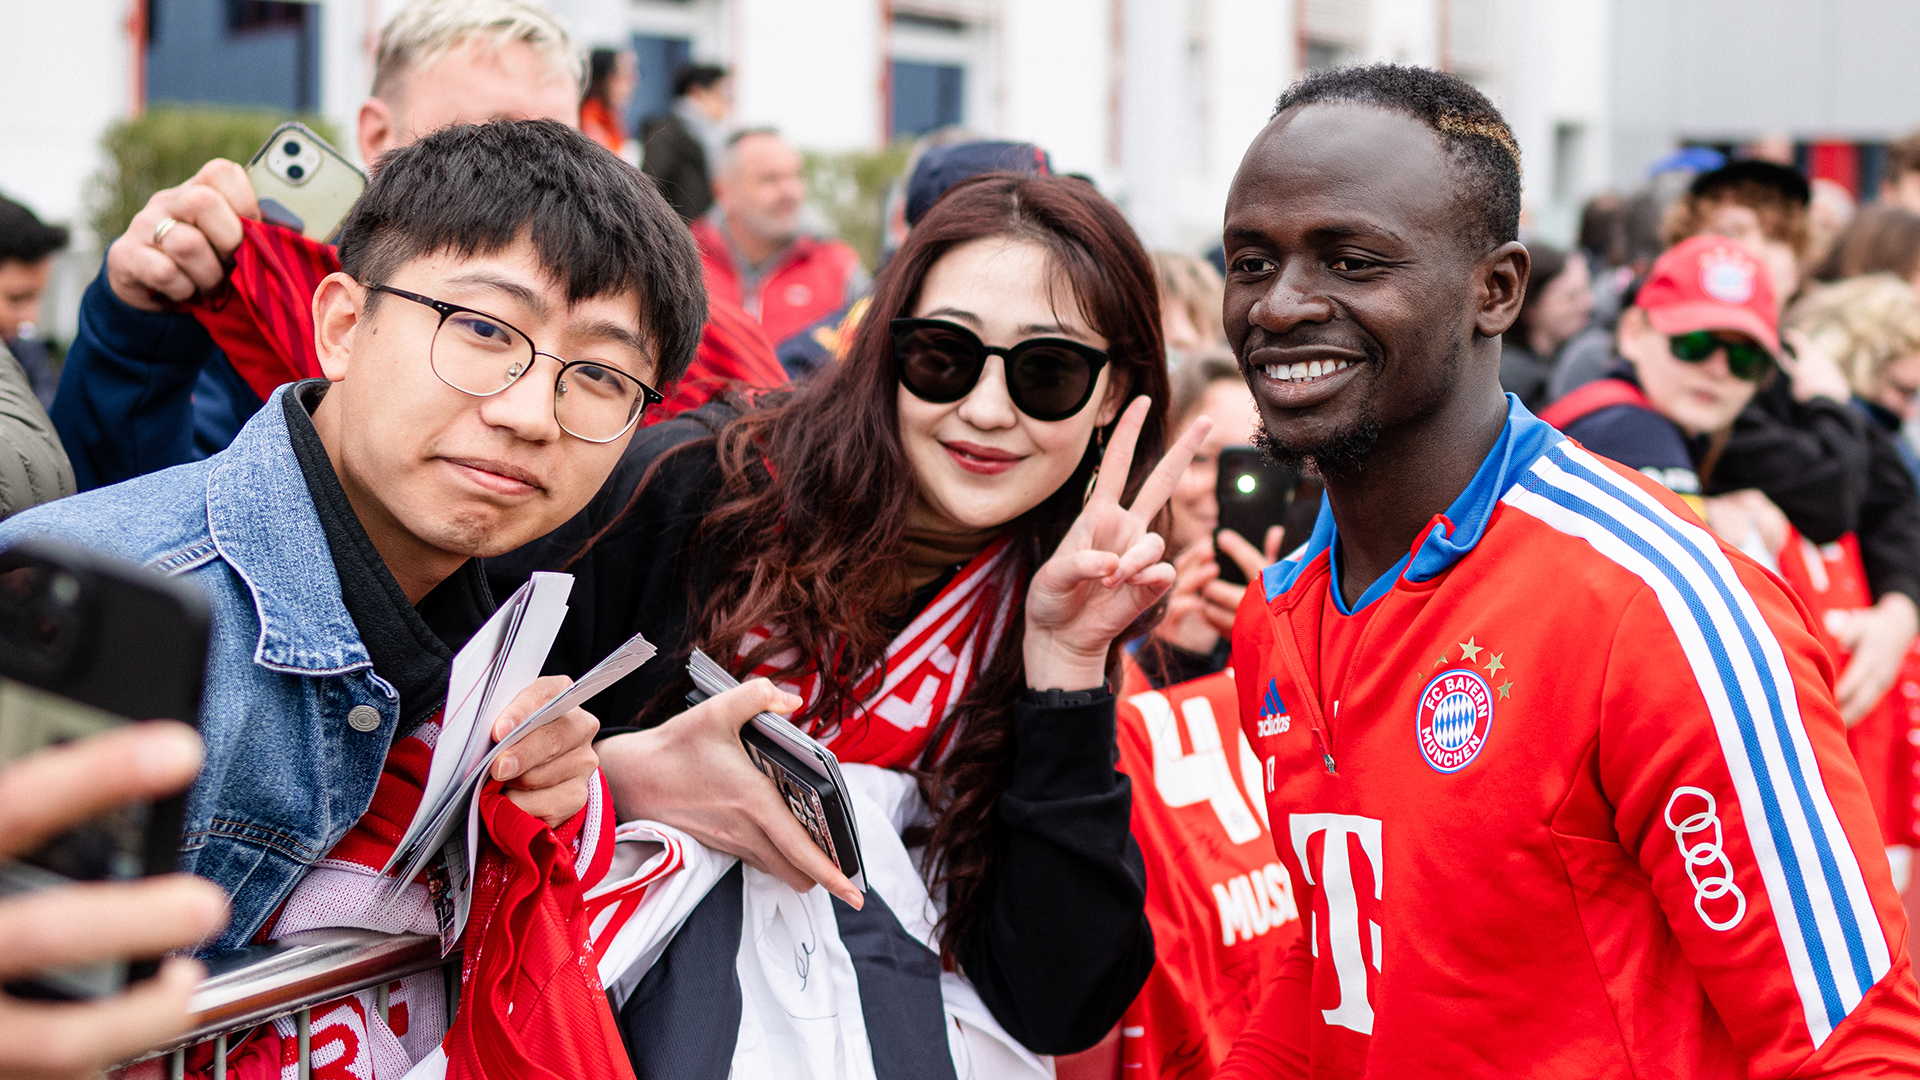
{"type": "Point", "coordinates": [781, 463]}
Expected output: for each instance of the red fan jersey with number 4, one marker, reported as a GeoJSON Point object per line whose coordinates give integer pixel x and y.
{"type": "Point", "coordinates": [1565, 794]}
{"type": "Point", "coordinates": [1221, 907]}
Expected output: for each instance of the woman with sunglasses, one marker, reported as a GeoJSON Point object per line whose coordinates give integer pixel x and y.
{"type": "Point", "coordinates": [938, 546]}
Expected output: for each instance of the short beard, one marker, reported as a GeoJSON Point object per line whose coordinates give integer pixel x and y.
{"type": "Point", "coordinates": [1343, 453]}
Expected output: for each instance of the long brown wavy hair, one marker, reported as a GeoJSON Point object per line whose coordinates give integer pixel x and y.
{"type": "Point", "coordinates": [807, 531]}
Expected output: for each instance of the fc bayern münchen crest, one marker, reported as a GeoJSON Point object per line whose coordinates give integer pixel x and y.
{"type": "Point", "coordinates": [1453, 719]}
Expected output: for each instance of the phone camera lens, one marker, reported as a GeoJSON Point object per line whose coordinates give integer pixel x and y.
{"type": "Point", "coordinates": [291, 149]}
{"type": "Point", "coordinates": [295, 172]}
{"type": "Point", "coordinates": [64, 589]}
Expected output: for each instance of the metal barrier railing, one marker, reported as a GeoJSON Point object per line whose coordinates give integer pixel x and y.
{"type": "Point", "coordinates": [264, 983]}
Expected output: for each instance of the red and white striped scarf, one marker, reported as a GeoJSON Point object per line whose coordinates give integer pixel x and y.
{"type": "Point", "coordinates": [531, 1006]}
{"type": "Point", "coordinates": [926, 671]}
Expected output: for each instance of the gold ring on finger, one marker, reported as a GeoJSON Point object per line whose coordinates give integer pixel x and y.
{"type": "Point", "coordinates": [161, 230]}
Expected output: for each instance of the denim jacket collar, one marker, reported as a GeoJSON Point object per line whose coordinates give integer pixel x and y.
{"type": "Point", "coordinates": [279, 548]}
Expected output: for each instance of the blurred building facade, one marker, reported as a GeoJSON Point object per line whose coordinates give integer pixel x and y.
{"type": "Point", "coordinates": [1155, 100]}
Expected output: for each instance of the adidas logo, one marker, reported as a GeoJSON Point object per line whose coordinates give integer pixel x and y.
{"type": "Point", "coordinates": [1273, 713]}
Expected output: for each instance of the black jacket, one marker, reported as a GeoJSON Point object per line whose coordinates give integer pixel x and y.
{"type": "Point", "coordinates": [678, 164]}
{"type": "Point", "coordinates": [1063, 944]}
{"type": "Point", "coordinates": [1831, 471]}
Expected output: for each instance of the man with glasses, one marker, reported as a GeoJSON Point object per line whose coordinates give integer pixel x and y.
{"type": "Point", "coordinates": [510, 294]}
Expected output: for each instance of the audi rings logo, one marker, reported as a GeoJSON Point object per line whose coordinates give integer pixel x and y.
{"type": "Point", "coordinates": [1697, 832]}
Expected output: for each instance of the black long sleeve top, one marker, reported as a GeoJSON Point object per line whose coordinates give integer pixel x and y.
{"type": "Point", "coordinates": [1810, 458]}
{"type": "Point", "coordinates": [1832, 471]}
{"type": "Point", "coordinates": [1063, 944]}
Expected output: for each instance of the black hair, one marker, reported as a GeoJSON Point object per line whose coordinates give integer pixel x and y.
{"type": "Point", "coordinates": [1782, 180]}
{"type": "Point", "coordinates": [600, 67]}
{"type": "Point", "coordinates": [25, 237]}
{"type": "Point", "coordinates": [1486, 158]}
{"type": "Point", "coordinates": [597, 224]}
{"type": "Point", "coordinates": [701, 76]}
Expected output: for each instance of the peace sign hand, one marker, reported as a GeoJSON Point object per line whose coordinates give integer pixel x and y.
{"type": "Point", "coordinates": [1108, 568]}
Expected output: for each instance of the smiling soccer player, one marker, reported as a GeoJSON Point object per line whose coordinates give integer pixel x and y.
{"type": "Point", "coordinates": [1561, 783]}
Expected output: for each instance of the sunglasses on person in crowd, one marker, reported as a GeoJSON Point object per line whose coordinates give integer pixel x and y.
{"type": "Point", "coordinates": [1745, 359]}
{"type": "Point", "coordinates": [1048, 378]}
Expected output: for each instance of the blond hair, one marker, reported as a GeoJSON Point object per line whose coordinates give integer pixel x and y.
{"type": "Point", "coordinates": [1194, 376]}
{"type": "Point", "coordinates": [1194, 284]}
{"type": "Point", "coordinates": [1864, 323]}
{"type": "Point", "coordinates": [426, 30]}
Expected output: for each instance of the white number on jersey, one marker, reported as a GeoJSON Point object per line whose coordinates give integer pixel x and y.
{"type": "Point", "coordinates": [1183, 779]}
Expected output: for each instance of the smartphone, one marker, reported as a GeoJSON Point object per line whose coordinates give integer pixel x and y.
{"type": "Point", "coordinates": [303, 183]}
{"type": "Point", "coordinates": [88, 643]}
{"type": "Point", "coordinates": [1253, 494]}
{"type": "Point", "coordinates": [807, 773]}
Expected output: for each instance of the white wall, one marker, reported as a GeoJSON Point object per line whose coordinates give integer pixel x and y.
{"type": "Point", "coordinates": [1055, 78]}
{"type": "Point", "coordinates": [65, 74]}
{"type": "Point", "coordinates": [812, 69]}
{"type": "Point", "coordinates": [1736, 69]}
{"type": "Point", "coordinates": [1557, 76]}
{"type": "Point", "coordinates": [53, 103]}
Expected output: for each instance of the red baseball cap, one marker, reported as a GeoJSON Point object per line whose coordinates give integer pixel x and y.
{"type": "Point", "coordinates": [1711, 283]}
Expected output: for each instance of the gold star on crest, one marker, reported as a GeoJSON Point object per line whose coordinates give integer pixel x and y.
{"type": "Point", "coordinates": [1493, 663]}
{"type": "Point", "coordinates": [1469, 651]}
{"type": "Point", "coordinates": [1504, 687]}
{"type": "Point", "coordinates": [1442, 660]}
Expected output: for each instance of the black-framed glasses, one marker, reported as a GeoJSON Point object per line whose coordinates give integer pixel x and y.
{"type": "Point", "coordinates": [1048, 378]}
{"type": "Point", "coordinates": [1745, 359]}
{"type": "Point", "coordinates": [481, 354]}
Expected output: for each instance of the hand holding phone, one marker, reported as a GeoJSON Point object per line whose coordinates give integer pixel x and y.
{"type": "Point", "coordinates": [303, 183]}
{"type": "Point", "coordinates": [693, 773]}
{"type": "Point", "coordinates": [1253, 494]}
{"type": "Point", "coordinates": [88, 646]}
{"type": "Point", "coordinates": [41, 795]}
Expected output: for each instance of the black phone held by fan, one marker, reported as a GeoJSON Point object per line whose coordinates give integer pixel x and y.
{"type": "Point", "coordinates": [87, 644]}
{"type": "Point", "coordinates": [1253, 494]}
{"type": "Point", "coordinates": [806, 773]}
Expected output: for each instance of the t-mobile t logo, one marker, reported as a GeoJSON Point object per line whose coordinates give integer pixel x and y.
{"type": "Point", "coordinates": [1345, 935]}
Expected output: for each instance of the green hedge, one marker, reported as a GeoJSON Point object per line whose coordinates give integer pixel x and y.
{"type": "Point", "coordinates": [166, 145]}
{"type": "Point", "coordinates": [850, 190]}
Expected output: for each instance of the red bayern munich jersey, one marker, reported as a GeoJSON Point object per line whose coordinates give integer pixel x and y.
{"type": "Point", "coordinates": [1221, 905]}
{"type": "Point", "coordinates": [1581, 805]}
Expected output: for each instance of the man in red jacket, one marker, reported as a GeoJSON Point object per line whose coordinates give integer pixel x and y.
{"type": "Point", "coordinates": [756, 253]}
{"type": "Point", "coordinates": [1559, 778]}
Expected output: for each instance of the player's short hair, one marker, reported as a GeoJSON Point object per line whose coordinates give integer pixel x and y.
{"type": "Point", "coordinates": [597, 224]}
{"type": "Point", "coordinates": [426, 30]}
{"type": "Point", "coordinates": [24, 237]}
{"type": "Point", "coordinates": [697, 76]}
{"type": "Point", "coordinates": [1485, 155]}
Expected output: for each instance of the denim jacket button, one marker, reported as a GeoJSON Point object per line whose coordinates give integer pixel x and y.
{"type": "Point", "coordinates": [363, 718]}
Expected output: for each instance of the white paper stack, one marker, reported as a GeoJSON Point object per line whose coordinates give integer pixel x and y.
{"type": "Point", "coordinates": [500, 661]}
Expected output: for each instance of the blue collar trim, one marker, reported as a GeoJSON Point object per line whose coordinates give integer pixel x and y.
{"type": "Point", "coordinates": [1522, 442]}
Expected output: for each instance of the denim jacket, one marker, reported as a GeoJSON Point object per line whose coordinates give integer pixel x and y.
{"type": "Point", "coordinates": [287, 772]}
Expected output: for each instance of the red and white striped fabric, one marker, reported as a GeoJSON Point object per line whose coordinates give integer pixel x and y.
{"type": "Point", "coordinates": [927, 670]}
{"type": "Point", "coordinates": [526, 943]}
